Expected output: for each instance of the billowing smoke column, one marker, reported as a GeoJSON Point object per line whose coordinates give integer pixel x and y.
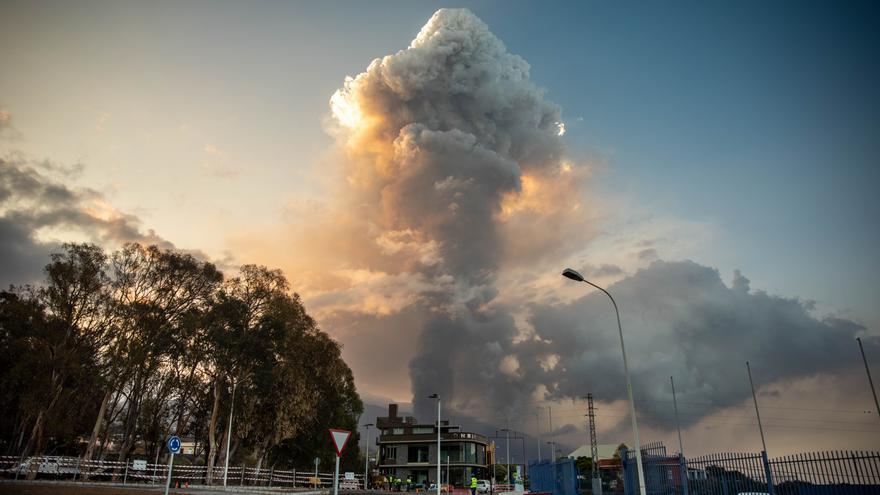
{"type": "Point", "coordinates": [457, 166]}
{"type": "Point", "coordinates": [440, 136]}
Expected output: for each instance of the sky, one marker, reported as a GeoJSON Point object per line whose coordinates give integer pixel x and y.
{"type": "Point", "coordinates": [717, 171]}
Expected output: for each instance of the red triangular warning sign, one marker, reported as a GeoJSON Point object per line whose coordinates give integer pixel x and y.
{"type": "Point", "coordinates": [340, 437]}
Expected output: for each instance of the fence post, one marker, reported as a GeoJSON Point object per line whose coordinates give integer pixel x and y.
{"type": "Point", "coordinates": [76, 471]}
{"type": "Point", "coordinates": [271, 472]}
{"type": "Point", "coordinates": [767, 472]}
{"type": "Point", "coordinates": [242, 475]}
{"type": "Point", "coordinates": [627, 487]}
{"type": "Point", "coordinates": [294, 478]}
{"type": "Point", "coordinates": [125, 476]}
{"type": "Point", "coordinates": [683, 471]}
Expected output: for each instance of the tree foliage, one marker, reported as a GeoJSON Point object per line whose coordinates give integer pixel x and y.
{"type": "Point", "coordinates": [114, 353]}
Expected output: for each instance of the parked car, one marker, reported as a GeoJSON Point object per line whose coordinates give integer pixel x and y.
{"type": "Point", "coordinates": [483, 486]}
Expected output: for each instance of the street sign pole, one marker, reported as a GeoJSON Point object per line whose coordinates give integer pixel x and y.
{"type": "Point", "coordinates": [336, 478]}
{"type": "Point", "coordinates": [170, 466]}
{"type": "Point", "coordinates": [173, 447]}
{"type": "Point", "coordinates": [340, 438]}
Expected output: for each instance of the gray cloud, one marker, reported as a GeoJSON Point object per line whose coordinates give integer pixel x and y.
{"type": "Point", "coordinates": [563, 430]}
{"type": "Point", "coordinates": [681, 320]}
{"type": "Point", "coordinates": [647, 254]}
{"type": "Point", "coordinates": [604, 270]}
{"type": "Point", "coordinates": [32, 198]}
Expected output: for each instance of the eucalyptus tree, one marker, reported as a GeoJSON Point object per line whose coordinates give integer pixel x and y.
{"type": "Point", "coordinates": [156, 295]}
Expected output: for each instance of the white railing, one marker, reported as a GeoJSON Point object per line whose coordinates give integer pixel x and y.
{"type": "Point", "coordinates": [76, 469]}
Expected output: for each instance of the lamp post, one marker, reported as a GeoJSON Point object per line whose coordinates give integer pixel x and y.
{"type": "Point", "coordinates": [868, 371]}
{"type": "Point", "coordinates": [367, 457]}
{"type": "Point", "coordinates": [229, 435]}
{"type": "Point", "coordinates": [507, 458]}
{"type": "Point", "coordinates": [538, 423]}
{"type": "Point", "coordinates": [577, 277]}
{"type": "Point", "coordinates": [435, 396]}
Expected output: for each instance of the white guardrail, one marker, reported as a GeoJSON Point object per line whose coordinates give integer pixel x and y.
{"type": "Point", "coordinates": [140, 471]}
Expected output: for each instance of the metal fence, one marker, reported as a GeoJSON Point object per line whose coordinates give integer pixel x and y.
{"type": "Point", "coordinates": [74, 469]}
{"type": "Point", "coordinates": [557, 478]}
{"type": "Point", "coordinates": [816, 473]}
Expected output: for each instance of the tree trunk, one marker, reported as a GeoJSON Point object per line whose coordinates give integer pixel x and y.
{"type": "Point", "coordinates": [131, 417]}
{"type": "Point", "coordinates": [35, 443]}
{"type": "Point", "coordinates": [99, 423]}
{"type": "Point", "coordinates": [212, 433]}
{"type": "Point", "coordinates": [221, 449]}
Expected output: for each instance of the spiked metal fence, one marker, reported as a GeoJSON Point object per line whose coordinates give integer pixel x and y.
{"type": "Point", "coordinates": [814, 473]}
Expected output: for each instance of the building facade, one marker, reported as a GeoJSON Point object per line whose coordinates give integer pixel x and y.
{"type": "Point", "coordinates": [408, 450]}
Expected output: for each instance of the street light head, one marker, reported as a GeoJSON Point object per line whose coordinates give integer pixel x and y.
{"type": "Point", "coordinates": [433, 396]}
{"type": "Point", "coordinates": [572, 274]}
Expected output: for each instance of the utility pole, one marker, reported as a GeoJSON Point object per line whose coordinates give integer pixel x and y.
{"type": "Point", "coordinates": [596, 481]}
{"type": "Point", "coordinates": [677, 424]}
{"type": "Point", "coordinates": [870, 381]}
{"type": "Point", "coordinates": [757, 412]}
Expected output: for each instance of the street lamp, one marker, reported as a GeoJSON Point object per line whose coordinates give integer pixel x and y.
{"type": "Point", "coordinates": [435, 396]}
{"type": "Point", "coordinates": [508, 455]}
{"type": "Point", "coordinates": [538, 423]}
{"type": "Point", "coordinates": [367, 457]}
{"type": "Point", "coordinates": [577, 277]}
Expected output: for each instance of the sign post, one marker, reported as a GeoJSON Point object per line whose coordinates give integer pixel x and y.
{"type": "Point", "coordinates": [315, 481]}
{"type": "Point", "coordinates": [173, 447]}
{"type": "Point", "coordinates": [340, 437]}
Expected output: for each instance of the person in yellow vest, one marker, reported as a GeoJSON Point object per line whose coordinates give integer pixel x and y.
{"type": "Point", "coordinates": [473, 484]}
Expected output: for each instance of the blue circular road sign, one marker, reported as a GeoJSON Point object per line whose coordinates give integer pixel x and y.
{"type": "Point", "coordinates": [174, 444]}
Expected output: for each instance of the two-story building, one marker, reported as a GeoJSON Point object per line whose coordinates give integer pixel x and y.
{"type": "Point", "coordinates": [408, 449]}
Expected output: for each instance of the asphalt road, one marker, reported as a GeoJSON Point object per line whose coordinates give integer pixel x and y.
{"type": "Point", "coordinates": [49, 488]}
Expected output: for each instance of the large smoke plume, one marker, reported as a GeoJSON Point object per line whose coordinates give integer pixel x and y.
{"type": "Point", "coordinates": [458, 171]}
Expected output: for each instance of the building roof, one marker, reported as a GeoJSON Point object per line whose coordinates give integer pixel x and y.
{"type": "Point", "coordinates": [606, 451]}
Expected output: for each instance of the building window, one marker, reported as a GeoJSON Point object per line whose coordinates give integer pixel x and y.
{"type": "Point", "coordinates": [452, 452]}
{"type": "Point", "coordinates": [389, 455]}
{"type": "Point", "coordinates": [421, 431]}
{"type": "Point", "coordinates": [397, 431]}
{"type": "Point", "coordinates": [417, 453]}
{"type": "Point", "coordinates": [470, 452]}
